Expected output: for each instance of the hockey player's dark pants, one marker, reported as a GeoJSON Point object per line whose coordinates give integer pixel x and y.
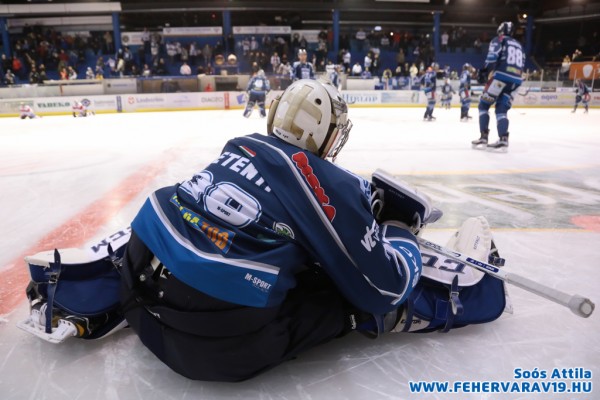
{"type": "Point", "coordinates": [204, 338]}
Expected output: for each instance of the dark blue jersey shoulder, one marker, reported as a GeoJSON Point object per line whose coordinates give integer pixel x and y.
{"type": "Point", "coordinates": [241, 228]}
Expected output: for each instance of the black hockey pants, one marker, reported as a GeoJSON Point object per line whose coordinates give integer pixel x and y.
{"type": "Point", "coordinates": [204, 338]}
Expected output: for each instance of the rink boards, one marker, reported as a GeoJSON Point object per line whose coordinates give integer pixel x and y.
{"type": "Point", "coordinates": [533, 97]}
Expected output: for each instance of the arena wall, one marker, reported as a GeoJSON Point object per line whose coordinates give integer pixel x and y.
{"type": "Point", "coordinates": [45, 101]}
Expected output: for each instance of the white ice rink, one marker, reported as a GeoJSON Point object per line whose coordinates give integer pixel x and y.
{"type": "Point", "coordinates": [65, 182]}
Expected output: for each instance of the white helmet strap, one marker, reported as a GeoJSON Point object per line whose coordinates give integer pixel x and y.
{"type": "Point", "coordinates": [298, 103]}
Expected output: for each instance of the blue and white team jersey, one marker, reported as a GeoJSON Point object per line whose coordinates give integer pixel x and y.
{"type": "Point", "coordinates": [240, 229]}
{"type": "Point", "coordinates": [428, 81]}
{"type": "Point", "coordinates": [465, 81]}
{"type": "Point", "coordinates": [302, 70]}
{"type": "Point", "coordinates": [581, 89]}
{"type": "Point", "coordinates": [447, 90]}
{"type": "Point", "coordinates": [505, 56]}
{"type": "Point", "coordinates": [258, 85]}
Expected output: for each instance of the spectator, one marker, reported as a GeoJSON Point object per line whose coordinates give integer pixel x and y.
{"type": "Point", "coordinates": [357, 69]}
{"type": "Point", "coordinates": [146, 72]}
{"type": "Point", "coordinates": [43, 75]}
{"type": "Point", "coordinates": [9, 77]}
{"type": "Point", "coordinates": [108, 43]}
{"type": "Point", "coordinates": [414, 71]}
{"type": "Point", "coordinates": [284, 69]}
{"type": "Point", "coordinates": [89, 73]}
{"type": "Point", "coordinates": [444, 41]}
{"type": "Point", "coordinates": [400, 57]}
{"type": "Point", "coordinates": [34, 76]}
{"type": "Point", "coordinates": [6, 63]}
{"type": "Point", "coordinates": [275, 61]}
{"type": "Point", "coordinates": [185, 69]}
{"type": "Point", "coordinates": [207, 53]}
{"type": "Point", "coordinates": [72, 74]}
{"type": "Point", "coordinates": [361, 37]}
{"type": "Point", "coordinates": [146, 41]}
{"type": "Point", "coordinates": [120, 69]}
{"type": "Point", "coordinates": [565, 66]}
{"type": "Point", "coordinates": [193, 53]}
{"type": "Point", "coordinates": [368, 61]}
{"type": "Point", "coordinates": [17, 67]}
{"type": "Point", "coordinates": [161, 67]}
{"type": "Point", "coordinates": [154, 50]}
{"type": "Point", "coordinates": [63, 74]}
{"type": "Point", "coordinates": [375, 65]}
{"type": "Point", "coordinates": [346, 59]}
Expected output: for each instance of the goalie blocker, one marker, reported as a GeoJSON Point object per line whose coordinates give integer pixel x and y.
{"type": "Point", "coordinates": [449, 294]}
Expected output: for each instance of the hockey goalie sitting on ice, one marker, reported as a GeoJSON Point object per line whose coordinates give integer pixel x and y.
{"type": "Point", "coordinates": [269, 251]}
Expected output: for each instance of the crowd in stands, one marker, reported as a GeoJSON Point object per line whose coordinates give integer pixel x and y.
{"type": "Point", "coordinates": [41, 53]}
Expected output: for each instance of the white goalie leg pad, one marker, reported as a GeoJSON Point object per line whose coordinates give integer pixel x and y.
{"type": "Point", "coordinates": [474, 239]}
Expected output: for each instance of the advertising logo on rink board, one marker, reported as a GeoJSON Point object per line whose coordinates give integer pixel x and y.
{"type": "Point", "coordinates": [361, 98]}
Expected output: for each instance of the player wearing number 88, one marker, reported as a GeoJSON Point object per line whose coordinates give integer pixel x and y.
{"type": "Point", "coordinates": [504, 66]}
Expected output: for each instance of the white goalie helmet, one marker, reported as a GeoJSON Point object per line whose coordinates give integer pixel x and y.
{"type": "Point", "coordinates": [312, 115]}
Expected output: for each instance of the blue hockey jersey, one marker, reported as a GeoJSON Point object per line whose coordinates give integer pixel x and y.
{"type": "Point", "coordinates": [428, 80]}
{"type": "Point", "coordinates": [240, 229]}
{"type": "Point", "coordinates": [258, 85]}
{"type": "Point", "coordinates": [505, 56]}
{"type": "Point", "coordinates": [302, 70]}
{"type": "Point", "coordinates": [465, 81]}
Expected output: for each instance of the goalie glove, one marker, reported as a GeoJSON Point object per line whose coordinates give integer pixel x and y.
{"type": "Point", "coordinates": [393, 199]}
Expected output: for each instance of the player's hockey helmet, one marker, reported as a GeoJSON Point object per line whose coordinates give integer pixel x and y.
{"type": "Point", "coordinates": [506, 28]}
{"type": "Point", "coordinates": [301, 52]}
{"type": "Point", "coordinates": [466, 66]}
{"type": "Point", "coordinates": [312, 115]}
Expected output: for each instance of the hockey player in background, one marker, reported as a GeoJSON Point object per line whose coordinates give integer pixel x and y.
{"type": "Point", "coordinates": [504, 66]}
{"type": "Point", "coordinates": [302, 69]}
{"type": "Point", "coordinates": [332, 71]}
{"type": "Point", "coordinates": [257, 90]}
{"type": "Point", "coordinates": [272, 250]}
{"type": "Point", "coordinates": [80, 109]}
{"type": "Point", "coordinates": [447, 92]}
{"type": "Point", "coordinates": [428, 82]}
{"type": "Point", "coordinates": [582, 95]}
{"type": "Point", "coordinates": [26, 111]}
{"type": "Point", "coordinates": [464, 92]}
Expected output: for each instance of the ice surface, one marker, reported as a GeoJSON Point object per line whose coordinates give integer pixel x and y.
{"type": "Point", "coordinates": [66, 182]}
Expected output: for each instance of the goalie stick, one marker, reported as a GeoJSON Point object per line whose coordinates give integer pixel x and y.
{"type": "Point", "coordinates": [579, 305]}
{"type": "Point", "coordinates": [523, 90]}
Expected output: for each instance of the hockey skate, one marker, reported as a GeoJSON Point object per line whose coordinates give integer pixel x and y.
{"type": "Point", "coordinates": [481, 143]}
{"type": "Point", "coordinates": [429, 118]}
{"type": "Point", "coordinates": [501, 146]}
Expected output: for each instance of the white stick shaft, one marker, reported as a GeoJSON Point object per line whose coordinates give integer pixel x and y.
{"type": "Point", "coordinates": [577, 304]}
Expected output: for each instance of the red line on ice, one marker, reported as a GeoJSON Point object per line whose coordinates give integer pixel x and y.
{"type": "Point", "coordinates": [76, 231]}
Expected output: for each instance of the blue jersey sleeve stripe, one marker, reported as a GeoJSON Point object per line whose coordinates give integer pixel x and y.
{"type": "Point", "coordinates": [325, 221]}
